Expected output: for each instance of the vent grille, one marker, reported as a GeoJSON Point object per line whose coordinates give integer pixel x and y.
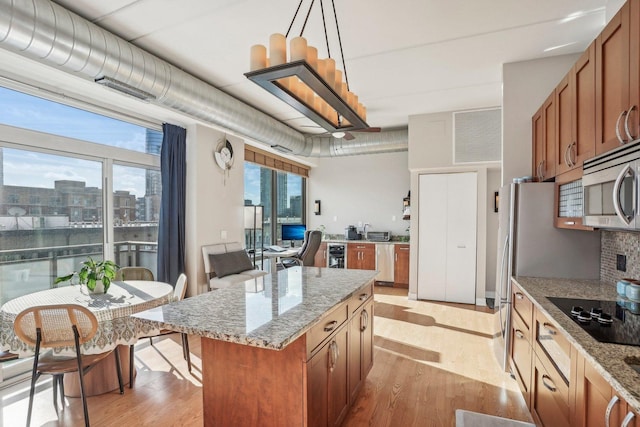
{"type": "Point", "coordinates": [477, 136]}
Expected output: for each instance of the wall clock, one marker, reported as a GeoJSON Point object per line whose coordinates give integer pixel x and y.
{"type": "Point", "coordinates": [224, 155]}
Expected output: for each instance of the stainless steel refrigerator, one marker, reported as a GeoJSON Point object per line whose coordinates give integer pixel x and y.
{"type": "Point", "coordinates": [530, 245]}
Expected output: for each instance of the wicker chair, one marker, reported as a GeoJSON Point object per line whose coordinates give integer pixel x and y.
{"type": "Point", "coordinates": [179, 292]}
{"type": "Point", "coordinates": [66, 325]}
{"type": "Point", "coordinates": [134, 273]}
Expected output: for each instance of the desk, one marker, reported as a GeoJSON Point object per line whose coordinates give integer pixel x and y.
{"type": "Point", "coordinates": [275, 256]}
{"type": "Point", "coordinates": [115, 326]}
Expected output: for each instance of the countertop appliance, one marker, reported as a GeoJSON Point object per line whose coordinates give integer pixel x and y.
{"type": "Point", "coordinates": [351, 233]}
{"type": "Point", "coordinates": [530, 245]}
{"type": "Point", "coordinates": [610, 184]}
{"type": "Point", "coordinates": [379, 236]}
{"type": "Point", "coordinates": [605, 321]}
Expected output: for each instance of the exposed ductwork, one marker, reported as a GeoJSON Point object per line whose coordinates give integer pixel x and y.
{"type": "Point", "coordinates": [45, 31]}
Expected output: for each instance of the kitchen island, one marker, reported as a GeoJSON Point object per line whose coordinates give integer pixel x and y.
{"type": "Point", "coordinates": [610, 361]}
{"type": "Point", "coordinates": [290, 348]}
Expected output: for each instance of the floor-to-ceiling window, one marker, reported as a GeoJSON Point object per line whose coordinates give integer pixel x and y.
{"type": "Point", "coordinates": [281, 192]}
{"type": "Point", "coordinates": [73, 184]}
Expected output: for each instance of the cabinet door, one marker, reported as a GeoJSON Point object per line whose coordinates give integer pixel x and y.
{"type": "Point", "coordinates": [353, 256]}
{"type": "Point", "coordinates": [368, 258]}
{"type": "Point", "coordinates": [320, 260]}
{"type": "Point", "coordinates": [595, 400]}
{"type": "Point", "coordinates": [360, 347]}
{"type": "Point", "coordinates": [537, 132]}
{"type": "Point", "coordinates": [401, 265]}
{"type": "Point", "coordinates": [521, 357]}
{"type": "Point", "coordinates": [318, 389]}
{"type": "Point", "coordinates": [548, 165]}
{"type": "Point", "coordinates": [612, 80]}
{"type": "Point", "coordinates": [634, 68]}
{"type": "Point", "coordinates": [584, 108]}
{"type": "Point", "coordinates": [548, 404]}
{"type": "Point", "coordinates": [564, 137]}
{"type": "Point", "coordinates": [338, 377]}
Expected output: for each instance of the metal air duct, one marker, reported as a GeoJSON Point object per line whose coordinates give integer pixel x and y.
{"type": "Point", "coordinates": [46, 32]}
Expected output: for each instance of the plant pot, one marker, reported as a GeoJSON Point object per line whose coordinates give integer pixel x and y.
{"type": "Point", "coordinates": [99, 289]}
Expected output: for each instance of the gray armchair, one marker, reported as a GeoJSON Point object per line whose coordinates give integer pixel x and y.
{"type": "Point", "coordinates": [307, 253]}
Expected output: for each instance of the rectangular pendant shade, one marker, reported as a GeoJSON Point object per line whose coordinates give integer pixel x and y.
{"type": "Point", "coordinates": [268, 78]}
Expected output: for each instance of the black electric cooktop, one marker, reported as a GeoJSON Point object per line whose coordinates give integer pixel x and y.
{"type": "Point", "coordinates": [605, 321]}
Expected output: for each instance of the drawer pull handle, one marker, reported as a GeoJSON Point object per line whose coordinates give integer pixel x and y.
{"type": "Point", "coordinates": [548, 383]}
{"type": "Point", "coordinates": [330, 326]}
{"type": "Point", "coordinates": [363, 297]}
{"type": "Point", "coordinates": [550, 328]}
{"type": "Point", "coordinates": [364, 320]}
{"type": "Point", "coordinates": [519, 334]}
{"type": "Point", "coordinates": [569, 223]}
{"type": "Point", "coordinates": [627, 419]}
{"type": "Point", "coordinates": [614, 400]}
{"type": "Point", "coordinates": [519, 295]}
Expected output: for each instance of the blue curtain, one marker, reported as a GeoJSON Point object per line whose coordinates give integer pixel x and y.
{"type": "Point", "coordinates": [171, 227]}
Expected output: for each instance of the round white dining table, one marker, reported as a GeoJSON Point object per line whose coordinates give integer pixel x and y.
{"type": "Point", "coordinates": [116, 326]}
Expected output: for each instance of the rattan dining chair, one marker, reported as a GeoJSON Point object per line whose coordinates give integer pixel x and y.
{"type": "Point", "coordinates": [179, 292]}
{"type": "Point", "coordinates": [65, 325]}
{"type": "Point", "coordinates": [134, 273]}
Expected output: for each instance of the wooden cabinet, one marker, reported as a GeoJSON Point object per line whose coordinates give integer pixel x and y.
{"type": "Point", "coordinates": [361, 256]}
{"type": "Point", "coordinates": [320, 260]}
{"type": "Point", "coordinates": [328, 394]}
{"type": "Point", "coordinates": [360, 347]}
{"type": "Point", "coordinates": [544, 140]}
{"type": "Point", "coordinates": [612, 81]}
{"type": "Point", "coordinates": [401, 265]}
{"type": "Point", "coordinates": [575, 114]}
{"type": "Point", "coordinates": [521, 357]}
{"type": "Point", "coordinates": [549, 396]}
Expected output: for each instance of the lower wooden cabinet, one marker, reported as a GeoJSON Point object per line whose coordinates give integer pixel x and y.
{"type": "Point", "coordinates": [320, 260]}
{"type": "Point", "coordinates": [521, 357]}
{"type": "Point", "coordinates": [361, 256]}
{"type": "Point", "coordinates": [338, 367]}
{"type": "Point", "coordinates": [401, 265]}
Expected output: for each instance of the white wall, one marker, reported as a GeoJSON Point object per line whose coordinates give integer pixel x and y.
{"type": "Point", "coordinates": [214, 200]}
{"type": "Point", "coordinates": [431, 151]}
{"type": "Point", "coordinates": [525, 86]}
{"type": "Point", "coordinates": [367, 188]}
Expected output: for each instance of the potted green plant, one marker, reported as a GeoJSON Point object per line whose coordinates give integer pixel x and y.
{"type": "Point", "coordinates": [94, 274]}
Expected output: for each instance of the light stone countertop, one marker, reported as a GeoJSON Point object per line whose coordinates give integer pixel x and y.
{"type": "Point", "coordinates": [250, 314]}
{"type": "Point", "coordinates": [607, 359]}
{"type": "Point", "coordinates": [390, 242]}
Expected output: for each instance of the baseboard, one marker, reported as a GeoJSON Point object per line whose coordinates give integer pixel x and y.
{"type": "Point", "coordinates": [481, 302]}
{"type": "Point", "coordinates": [490, 294]}
{"type": "Point", "coordinates": [413, 296]}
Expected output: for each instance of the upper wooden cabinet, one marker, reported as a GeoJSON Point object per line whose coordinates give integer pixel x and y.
{"type": "Point", "coordinates": [544, 140]}
{"type": "Point", "coordinates": [575, 114]}
{"type": "Point", "coordinates": [613, 109]}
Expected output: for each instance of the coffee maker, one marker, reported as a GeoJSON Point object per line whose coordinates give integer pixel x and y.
{"type": "Point", "coordinates": [351, 233]}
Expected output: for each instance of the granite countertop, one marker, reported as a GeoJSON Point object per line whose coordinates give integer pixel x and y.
{"type": "Point", "coordinates": [390, 242]}
{"type": "Point", "coordinates": [268, 312]}
{"type": "Point", "coordinates": [608, 359]}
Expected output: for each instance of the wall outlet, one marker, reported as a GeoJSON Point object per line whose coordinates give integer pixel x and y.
{"type": "Point", "coordinates": [621, 262]}
{"type": "Point", "coordinates": [223, 235]}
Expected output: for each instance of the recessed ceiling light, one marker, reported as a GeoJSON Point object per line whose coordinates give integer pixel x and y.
{"type": "Point", "coordinates": [560, 46]}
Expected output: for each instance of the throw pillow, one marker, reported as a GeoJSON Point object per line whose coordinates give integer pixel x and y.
{"type": "Point", "coordinates": [230, 263]}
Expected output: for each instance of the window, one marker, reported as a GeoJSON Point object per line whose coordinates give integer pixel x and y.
{"type": "Point", "coordinates": [283, 196]}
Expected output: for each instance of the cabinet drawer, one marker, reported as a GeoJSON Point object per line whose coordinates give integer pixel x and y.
{"type": "Point", "coordinates": [522, 305]}
{"type": "Point", "coordinates": [550, 399]}
{"type": "Point", "coordinates": [360, 296]}
{"type": "Point", "coordinates": [551, 342]}
{"type": "Point", "coordinates": [326, 327]}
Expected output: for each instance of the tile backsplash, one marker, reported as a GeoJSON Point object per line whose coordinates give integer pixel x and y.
{"type": "Point", "coordinates": [614, 243]}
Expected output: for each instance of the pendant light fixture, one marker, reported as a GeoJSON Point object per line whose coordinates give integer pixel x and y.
{"type": "Point", "coordinates": [311, 85]}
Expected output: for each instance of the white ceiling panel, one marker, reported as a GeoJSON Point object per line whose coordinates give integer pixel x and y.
{"type": "Point", "coordinates": [403, 57]}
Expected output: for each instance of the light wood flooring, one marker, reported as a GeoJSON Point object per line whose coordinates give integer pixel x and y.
{"type": "Point", "coordinates": [430, 359]}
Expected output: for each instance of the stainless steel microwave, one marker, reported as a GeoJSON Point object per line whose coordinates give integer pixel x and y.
{"type": "Point", "coordinates": [610, 185]}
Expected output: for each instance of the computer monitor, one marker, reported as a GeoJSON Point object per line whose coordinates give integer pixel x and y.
{"type": "Point", "coordinates": [293, 232]}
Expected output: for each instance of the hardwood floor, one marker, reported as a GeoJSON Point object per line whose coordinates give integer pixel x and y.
{"type": "Point", "coordinates": [430, 359]}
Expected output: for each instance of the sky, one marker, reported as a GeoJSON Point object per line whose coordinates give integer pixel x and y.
{"type": "Point", "coordinates": [33, 169]}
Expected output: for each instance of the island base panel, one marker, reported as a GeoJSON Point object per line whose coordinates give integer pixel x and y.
{"type": "Point", "coordinates": [102, 378]}
{"type": "Point", "coordinates": [244, 385]}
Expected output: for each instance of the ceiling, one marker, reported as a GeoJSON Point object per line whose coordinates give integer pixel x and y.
{"type": "Point", "coordinates": [403, 58]}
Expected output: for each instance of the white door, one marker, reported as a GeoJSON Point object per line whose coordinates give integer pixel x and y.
{"type": "Point", "coordinates": [447, 237]}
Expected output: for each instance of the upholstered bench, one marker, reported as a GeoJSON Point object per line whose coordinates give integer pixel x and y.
{"type": "Point", "coordinates": [227, 264]}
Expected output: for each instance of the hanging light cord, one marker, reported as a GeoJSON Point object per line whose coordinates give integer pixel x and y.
{"type": "Point", "coordinates": [324, 25]}
{"type": "Point", "coordinates": [294, 18]}
{"type": "Point", "coordinates": [344, 65]}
